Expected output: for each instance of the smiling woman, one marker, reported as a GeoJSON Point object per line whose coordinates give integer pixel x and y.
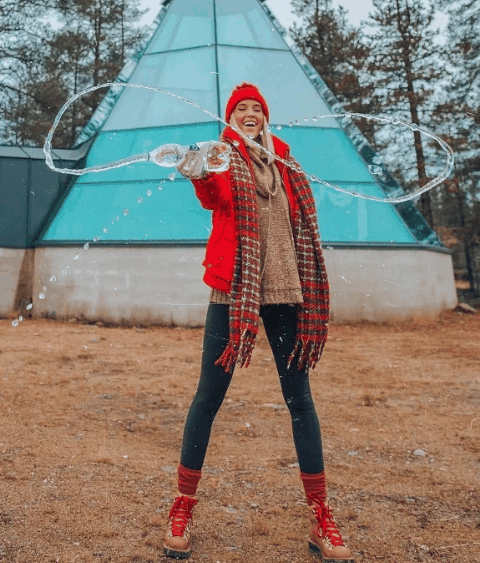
{"type": "Point", "coordinates": [263, 260]}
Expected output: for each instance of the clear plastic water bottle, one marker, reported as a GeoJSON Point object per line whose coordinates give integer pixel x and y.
{"type": "Point", "coordinates": [216, 155]}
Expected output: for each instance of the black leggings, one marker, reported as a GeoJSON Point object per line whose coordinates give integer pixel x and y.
{"type": "Point", "coordinates": [280, 322]}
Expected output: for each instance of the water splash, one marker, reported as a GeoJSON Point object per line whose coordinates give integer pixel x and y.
{"type": "Point", "coordinates": [349, 115]}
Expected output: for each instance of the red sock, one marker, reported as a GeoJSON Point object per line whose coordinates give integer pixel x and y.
{"type": "Point", "coordinates": [188, 480]}
{"type": "Point", "coordinates": [314, 483]}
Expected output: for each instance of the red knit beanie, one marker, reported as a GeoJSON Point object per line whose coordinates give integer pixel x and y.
{"type": "Point", "coordinates": [245, 91]}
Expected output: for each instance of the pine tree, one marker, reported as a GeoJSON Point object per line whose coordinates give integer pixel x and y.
{"type": "Point", "coordinates": [458, 116]}
{"type": "Point", "coordinates": [47, 67]}
{"type": "Point", "coordinates": [338, 53]}
{"type": "Point", "coordinates": [107, 26]}
{"type": "Point", "coordinates": [405, 66]}
{"type": "Point", "coordinates": [22, 32]}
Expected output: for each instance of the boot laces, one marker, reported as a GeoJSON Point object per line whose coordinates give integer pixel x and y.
{"type": "Point", "coordinates": [181, 514]}
{"type": "Point", "coordinates": [326, 522]}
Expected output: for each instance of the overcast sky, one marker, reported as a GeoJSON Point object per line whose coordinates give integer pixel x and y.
{"type": "Point", "coordinates": [357, 10]}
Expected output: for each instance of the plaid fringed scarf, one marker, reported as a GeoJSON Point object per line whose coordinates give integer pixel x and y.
{"type": "Point", "coordinates": [313, 314]}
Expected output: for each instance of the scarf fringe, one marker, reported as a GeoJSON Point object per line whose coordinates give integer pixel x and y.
{"type": "Point", "coordinates": [309, 352]}
{"type": "Point", "coordinates": [238, 352]}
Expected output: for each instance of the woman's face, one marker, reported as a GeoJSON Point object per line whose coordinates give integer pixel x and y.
{"type": "Point", "coordinates": [249, 117]}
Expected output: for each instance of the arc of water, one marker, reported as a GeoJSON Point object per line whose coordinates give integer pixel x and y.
{"type": "Point", "coordinates": [47, 147]}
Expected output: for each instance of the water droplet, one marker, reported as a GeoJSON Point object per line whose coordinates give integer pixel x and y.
{"type": "Point", "coordinates": [44, 288]}
{"type": "Point", "coordinates": [140, 199]}
{"type": "Point", "coordinates": [15, 322]}
{"type": "Point", "coordinates": [64, 272]}
{"type": "Point", "coordinates": [149, 193]}
{"type": "Point", "coordinates": [279, 127]}
{"type": "Point", "coordinates": [77, 257]}
{"type": "Point", "coordinates": [41, 296]}
{"type": "Point", "coordinates": [29, 306]}
{"type": "Point", "coordinates": [125, 212]}
{"type": "Point", "coordinates": [315, 118]}
{"type": "Point", "coordinates": [53, 279]}
{"type": "Point", "coordinates": [96, 239]}
{"type": "Point", "coordinates": [374, 169]}
{"type": "Point", "coordinates": [305, 119]}
{"type": "Point", "coordinates": [86, 246]}
{"type": "Point", "coordinates": [20, 318]}
{"type": "Point", "coordinates": [171, 176]}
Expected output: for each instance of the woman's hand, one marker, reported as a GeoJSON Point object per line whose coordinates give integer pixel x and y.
{"type": "Point", "coordinates": [192, 164]}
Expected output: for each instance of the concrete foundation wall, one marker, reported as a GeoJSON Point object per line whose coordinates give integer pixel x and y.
{"type": "Point", "coordinates": [161, 285]}
{"type": "Point", "coordinates": [133, 285]}
{"type": "Point", "coordinates": [16, 279]}
{"type": "Point", "coordinates": [386, 284]}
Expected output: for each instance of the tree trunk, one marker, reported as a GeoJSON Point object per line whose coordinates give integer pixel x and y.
{"type": "Point", "coordinates": [425, 199]}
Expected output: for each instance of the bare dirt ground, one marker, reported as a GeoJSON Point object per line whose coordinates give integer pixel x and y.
{"type": "Point", "coordinates": [91, 422]}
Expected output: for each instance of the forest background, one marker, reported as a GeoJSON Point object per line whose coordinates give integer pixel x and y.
{"type": "Point", "coordinates": [393, 64]}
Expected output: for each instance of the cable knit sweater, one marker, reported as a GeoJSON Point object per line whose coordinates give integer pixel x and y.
{"type": "Point", "coordinates": [280, 282]}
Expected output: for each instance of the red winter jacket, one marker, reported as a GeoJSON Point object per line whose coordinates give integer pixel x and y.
{"type": "Point", "coordinates": [215, 194]}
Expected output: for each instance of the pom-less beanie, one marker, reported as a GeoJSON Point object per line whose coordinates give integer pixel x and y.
{"type": "Point", "coordinates": [245, 91]}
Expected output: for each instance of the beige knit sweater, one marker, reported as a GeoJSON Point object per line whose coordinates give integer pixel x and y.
{"type": "Point", "coordinates": [280, 282]}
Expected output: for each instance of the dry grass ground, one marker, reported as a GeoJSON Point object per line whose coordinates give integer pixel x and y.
{"type": "Point", "coordinates": [91, 421]}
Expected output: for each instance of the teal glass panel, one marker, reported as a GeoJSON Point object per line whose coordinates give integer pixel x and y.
{"type": "Point", "coordinates": [115, 145]}
{"type": "Point", "coordinates": [246, 24]}
{"type": "Point", "coordinates": [190, 74]}
{"type": "Point", "coordinates": [288, 91]}
{"type": "Point", "coordinates": [188, 23]}
{"type": "Point", "coordinates": [326, 153]}
{"type": "Point", "coordinates": [345, 218]}
{"type": "Point", "coordinates": [172, 212]}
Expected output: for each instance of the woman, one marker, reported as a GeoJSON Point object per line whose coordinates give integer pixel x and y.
{"type": "Point", "coordinates": [264, 259]}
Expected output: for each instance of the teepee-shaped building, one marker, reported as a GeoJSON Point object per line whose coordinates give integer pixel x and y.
{"type": "Point", "coordinates": [149, 230]}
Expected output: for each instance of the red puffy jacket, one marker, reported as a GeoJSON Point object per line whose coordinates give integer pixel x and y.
{"type": "Point", "coordinates": [215, 194]}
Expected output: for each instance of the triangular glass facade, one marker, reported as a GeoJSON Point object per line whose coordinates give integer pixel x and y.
{"type": "Point", "coordinates": [188, 23]}
{"type": "Point", "coordinates": [200, 51]}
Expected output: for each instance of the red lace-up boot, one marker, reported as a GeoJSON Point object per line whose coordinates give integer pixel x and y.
{"type": "Point", "coordinates": [177, 541]}
{"type": "Point", "coordinates": [324, 537]}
